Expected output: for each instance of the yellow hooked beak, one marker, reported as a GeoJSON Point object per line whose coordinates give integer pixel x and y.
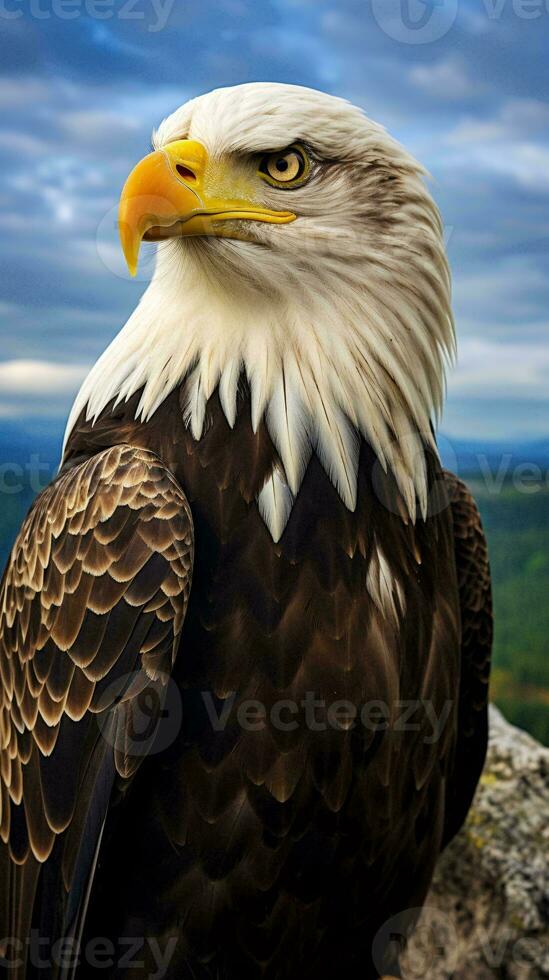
{"type": "Point", "coordinates": [179, 192]}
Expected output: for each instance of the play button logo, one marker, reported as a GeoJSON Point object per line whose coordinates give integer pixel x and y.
{"type": "Point", "coordinates": [415, 21]}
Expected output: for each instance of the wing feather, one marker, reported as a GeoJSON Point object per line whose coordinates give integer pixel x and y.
{"type": "Point", "coordinates": [475, 595]}
{"type": "Point", "coordinates": [91, 608]}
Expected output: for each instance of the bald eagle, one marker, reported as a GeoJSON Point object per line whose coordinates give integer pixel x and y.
{"type": "Point", "coordinates": [245, 633]}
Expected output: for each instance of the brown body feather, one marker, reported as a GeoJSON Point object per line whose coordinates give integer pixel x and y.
{"type": "Point", "coordinates": [277, 843]}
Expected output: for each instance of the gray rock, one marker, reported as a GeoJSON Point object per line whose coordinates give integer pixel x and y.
{"type": "Point", "coordinates": [487, 914]}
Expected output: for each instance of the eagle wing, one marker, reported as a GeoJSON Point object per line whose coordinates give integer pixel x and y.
{"type": "Point", "coordinates": [475, 597]}
{"type": "Point", "coordinates": [91, 608]}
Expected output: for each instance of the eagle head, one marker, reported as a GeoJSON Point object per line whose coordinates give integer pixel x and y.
{"type": "Point", "coordinates": [299, 247]}
{"type": "Point", "coordinates": [307, 177]}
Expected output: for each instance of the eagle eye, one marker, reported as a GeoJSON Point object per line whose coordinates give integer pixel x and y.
{"type": "Point", "coordinates": [287, 168]}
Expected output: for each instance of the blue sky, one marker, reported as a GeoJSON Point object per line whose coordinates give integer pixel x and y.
{"type": "Point", "coordinates": [463, 83]}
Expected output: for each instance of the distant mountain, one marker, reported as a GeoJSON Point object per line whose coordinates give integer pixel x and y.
{"type": "Point", "coordinates": [470, 452]}
{"type": "Point", "coordinates": [506, 458]}
{"type": "Point", "coordinates": [19, 440]}
{"type": "Point", "coordinates": [29, 456]}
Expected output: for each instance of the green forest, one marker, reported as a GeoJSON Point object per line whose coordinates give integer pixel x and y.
{"type": "Point", "coordinates": [517, 527]}
{"type": "Point", "coordinates": [516, 520]}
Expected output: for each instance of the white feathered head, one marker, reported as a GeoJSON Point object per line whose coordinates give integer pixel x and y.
{"type": "Point", "coordinates": [299, 245]}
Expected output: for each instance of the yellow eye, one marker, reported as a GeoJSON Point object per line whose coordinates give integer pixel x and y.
{"type": "Point", "coordinates": [286, 167]}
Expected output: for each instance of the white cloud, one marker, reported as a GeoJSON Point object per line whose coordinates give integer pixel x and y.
{"type": "Point", "coordinates": [513, 143]}
{"type": "Point", "coordinates": [525, 163]}
{"type": "Point", "coordinates": [508, 290]}
{"type": "Point", "coordinates": [21, 91]}
{"type": "Point", "coordinates": [446, 79]}
{"type": "Point", "coordinates": [34, 378]}
{"type": "Point", "coordinates": [12, 221]}
{"type": "Point", "coordinates": [494, 370]}
{"type": "Point", "coordinates": [22, 144]}
{"type": "Point", "coordinates": [8, 309]}
{"type": "Point", "coordinates": [518, 117]}
{"type": "Point", "coordinates": [475, 21]}
{"type": "Point", "coordinates": [96, 125]}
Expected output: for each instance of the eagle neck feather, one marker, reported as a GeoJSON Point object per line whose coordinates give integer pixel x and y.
{"type": "Point", "coordinates": [325, 367]}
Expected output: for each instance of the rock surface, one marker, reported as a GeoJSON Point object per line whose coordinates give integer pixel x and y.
{"type": "Point", "coordinates": [487, 915]}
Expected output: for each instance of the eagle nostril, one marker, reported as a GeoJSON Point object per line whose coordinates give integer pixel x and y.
{"type": "Point", "coordinates": [185, 172]}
